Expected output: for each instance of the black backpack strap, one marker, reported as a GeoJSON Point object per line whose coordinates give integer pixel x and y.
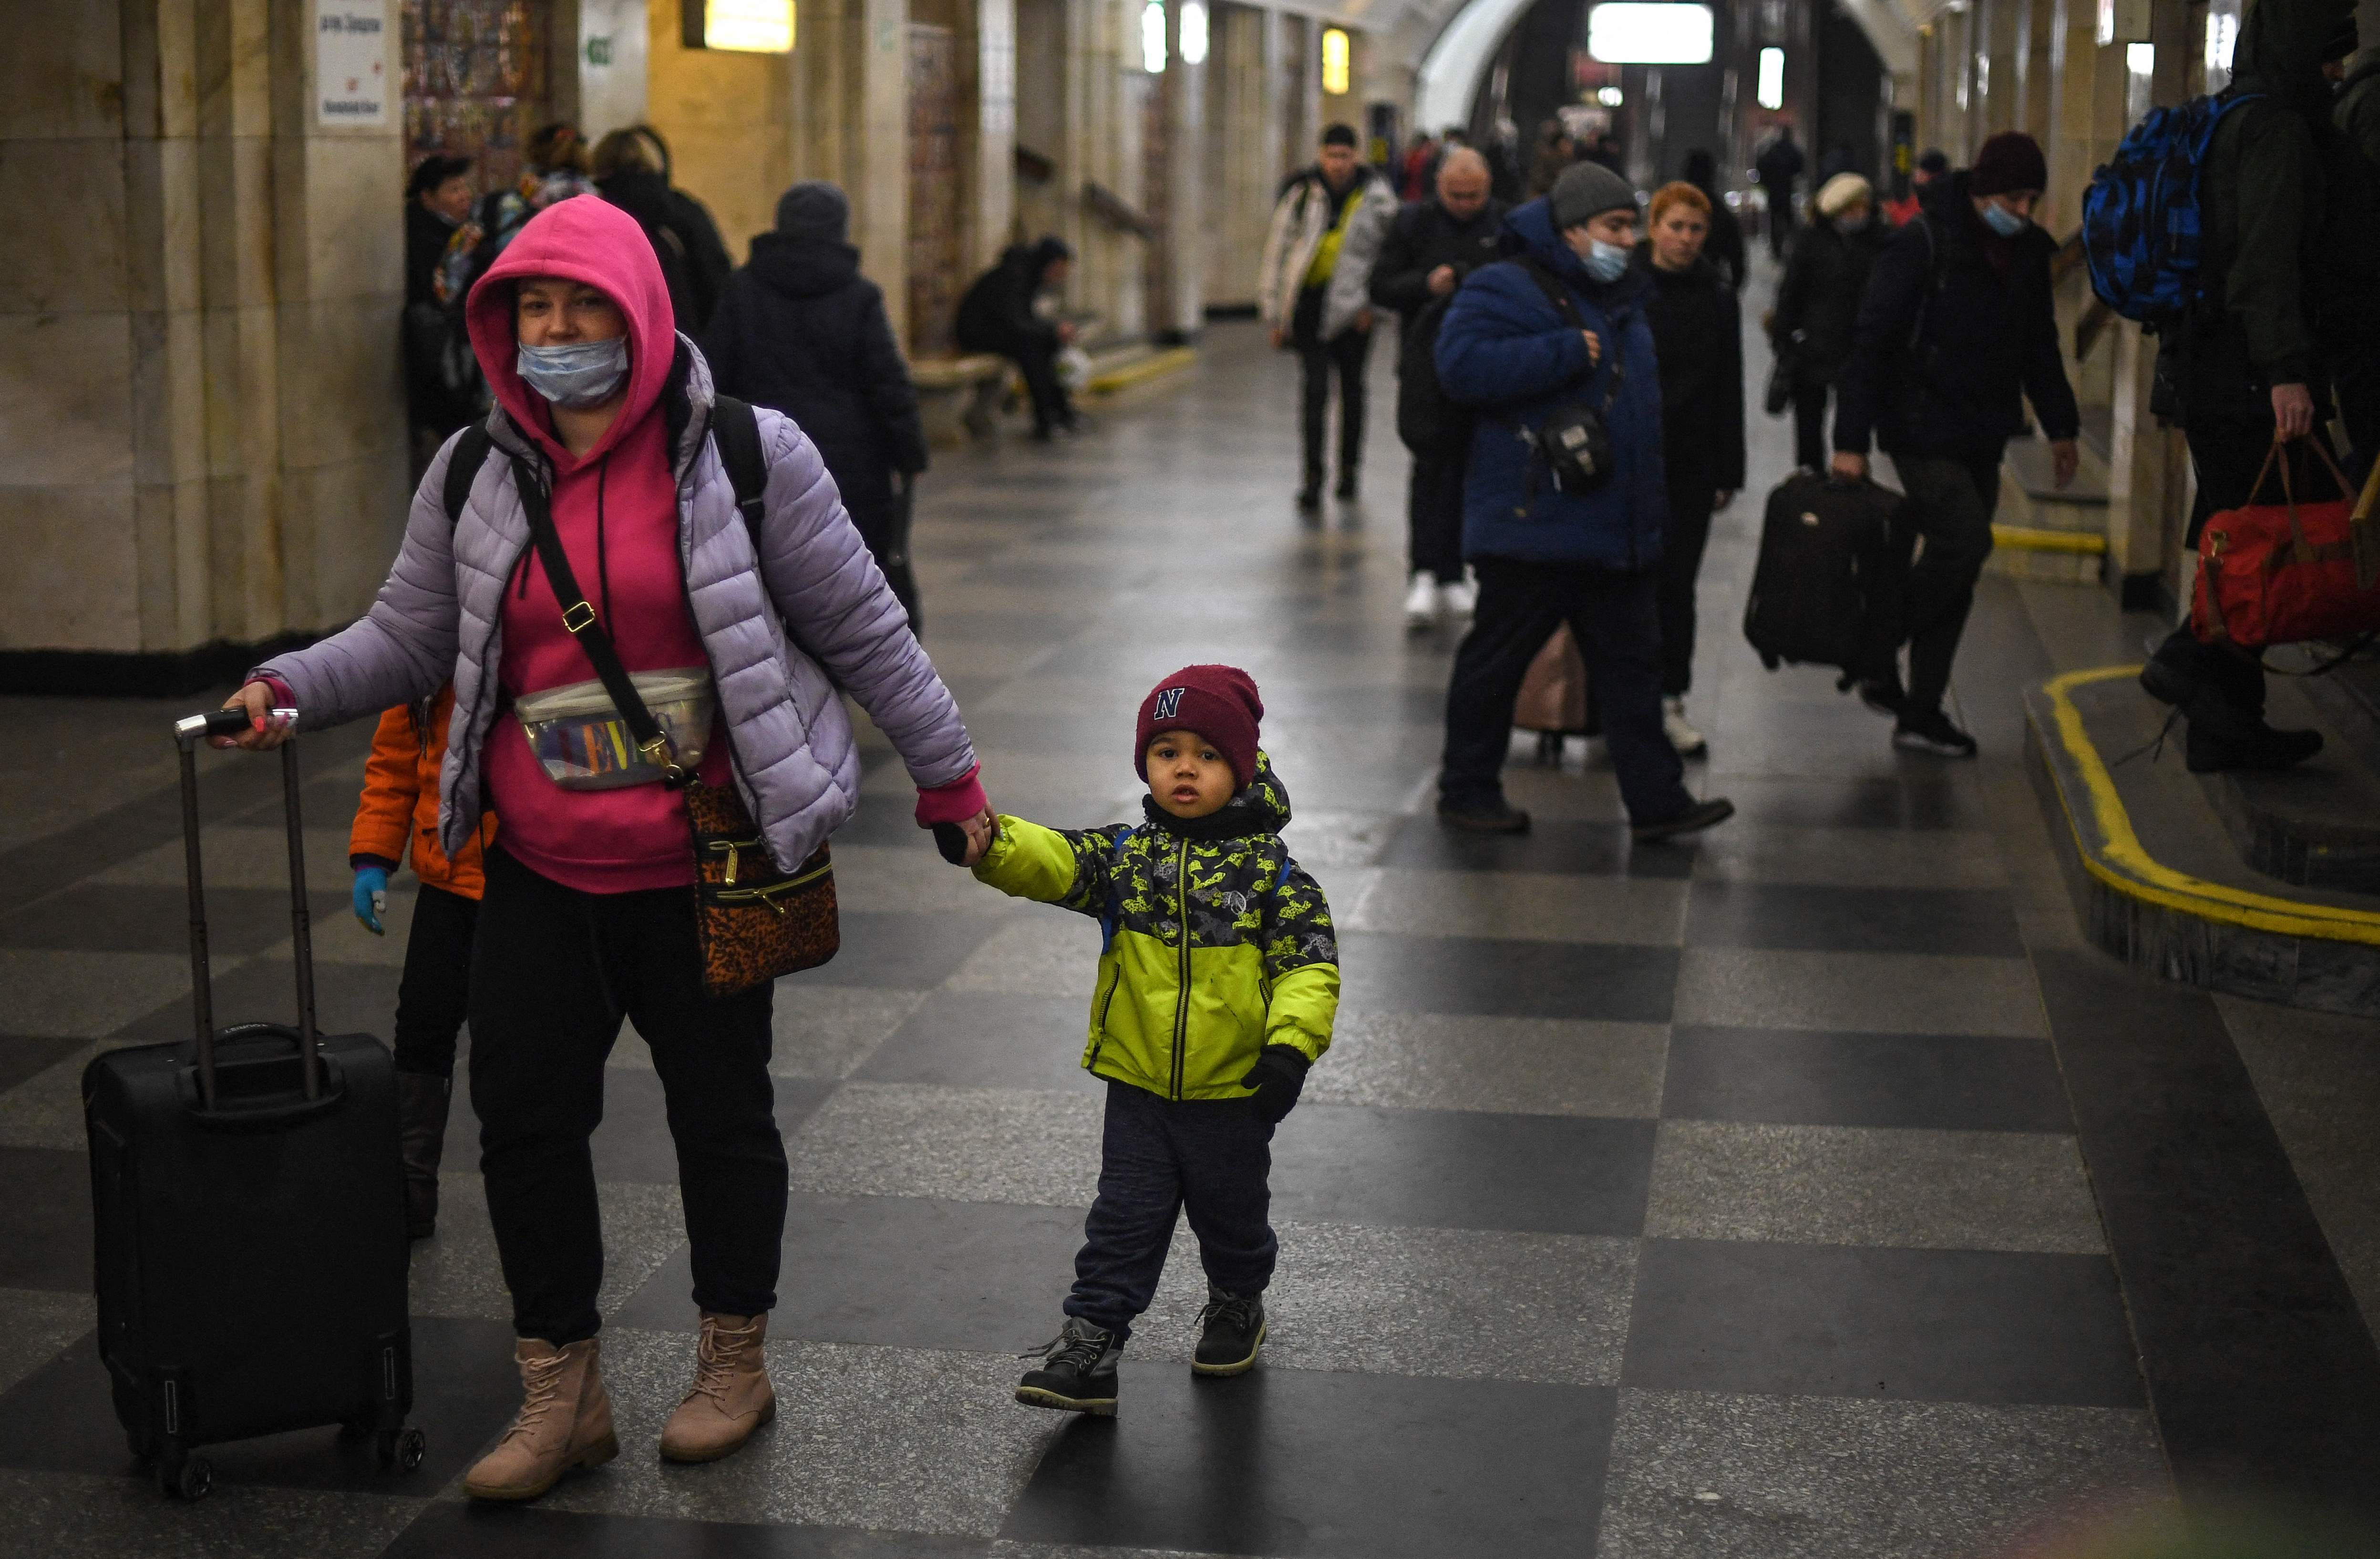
{"type": "Point", "coordinates": [463, 469]}
{"type": "Point", "coordinates": [579, 616]}
{"type": "Point", "coordinates": [736, 430]}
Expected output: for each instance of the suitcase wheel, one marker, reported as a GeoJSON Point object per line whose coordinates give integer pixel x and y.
{"type": "Point", "coordinates": [403, 1448]}
{"type": "Point", "coordinates": [189, 1478]}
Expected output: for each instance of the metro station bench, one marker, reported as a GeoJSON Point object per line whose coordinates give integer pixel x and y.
{"type": "Point", "coordinates": [959, 397]}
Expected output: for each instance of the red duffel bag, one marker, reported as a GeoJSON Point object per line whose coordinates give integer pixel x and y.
{"type": "Point", "coordinates": [2289, 573]}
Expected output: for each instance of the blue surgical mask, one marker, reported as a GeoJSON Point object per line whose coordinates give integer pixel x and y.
{"type": "Point", "coordinates": [2002, 221]}
{"type": "Point", "coordinates": [583, 374]}
{"type": "Point", "coordinates": [1605, 262]}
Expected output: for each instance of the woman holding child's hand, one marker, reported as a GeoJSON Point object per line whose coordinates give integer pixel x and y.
{"type": "Point", "coordinates": [610, 447]}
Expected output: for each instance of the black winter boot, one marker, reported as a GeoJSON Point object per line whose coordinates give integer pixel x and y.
{"type": "Point", "coordinates": [421, 1102]}
{"type": "Point", "coordinates": [1232, 1331]}
{"type": "Point", "coordinates": [1077, 1372]}
{"type": "Point", "coordinates": [2209, 752]}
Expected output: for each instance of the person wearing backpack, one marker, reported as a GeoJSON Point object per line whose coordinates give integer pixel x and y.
{"type": "Point", "coordinates": [1564, 499]}
{"type": "Point", "coordinates": [1958, 322]}
{"type": "Point", "coordinates": [2248, 364]}
{"type": "Point", "coordinates": [800, 331]}
{"type": "Point", "coordinates": [1430, 247]}
{"type": "Point", "coordinates": [612, 522]}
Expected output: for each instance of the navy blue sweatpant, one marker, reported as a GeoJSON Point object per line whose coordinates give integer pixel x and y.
{"type": "Point", "coordinates": [1158, 1156]}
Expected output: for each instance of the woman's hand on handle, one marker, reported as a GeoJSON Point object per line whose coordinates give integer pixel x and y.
{"type": "Point", "coordinates": [1849, 468]}
{"type": "Point", "coordinates": [264, 731]}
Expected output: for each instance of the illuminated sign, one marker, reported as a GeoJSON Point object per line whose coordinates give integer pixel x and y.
{"type": "Point", "coordinates": [1771, 87]}
{"type": "Point", "coordinates": [752, 27]}
{"type": "Point", "coordinates": [1635, 32]}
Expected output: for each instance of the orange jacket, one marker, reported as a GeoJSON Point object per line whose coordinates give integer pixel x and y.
{"type": "Point", "coordinates": [398, 819]}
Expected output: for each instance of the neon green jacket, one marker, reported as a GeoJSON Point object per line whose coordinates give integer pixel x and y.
{"type": "Point", "coordinates": [1184, 1013]}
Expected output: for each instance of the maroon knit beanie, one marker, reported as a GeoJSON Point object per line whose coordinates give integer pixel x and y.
{"type": "Point", "coordinates": [1218, 702]}
{"type": "Point", "coordinates": [2009, 160]}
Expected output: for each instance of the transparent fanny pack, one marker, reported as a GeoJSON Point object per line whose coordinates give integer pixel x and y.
{"type": "Point", "coordinates": [583, 744]}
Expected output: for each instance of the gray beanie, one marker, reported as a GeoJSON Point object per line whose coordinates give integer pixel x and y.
{"type": "Point", "coordinates": [1586, 190]}
{"type": "Point", "coordinates": [814, 209]}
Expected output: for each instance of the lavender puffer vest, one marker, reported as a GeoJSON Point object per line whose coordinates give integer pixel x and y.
{"type": "Point", "coordinates": [795, 759]}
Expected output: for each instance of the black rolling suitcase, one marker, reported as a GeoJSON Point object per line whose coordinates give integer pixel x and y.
{"type": "Point", "coordinates": [249, 1214]}
{"type": "Point", "coordinates": [1828, 588]}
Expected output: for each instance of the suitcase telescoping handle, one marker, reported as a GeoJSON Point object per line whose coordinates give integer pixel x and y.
{"type": "Point", "coordinates": [186, 732]}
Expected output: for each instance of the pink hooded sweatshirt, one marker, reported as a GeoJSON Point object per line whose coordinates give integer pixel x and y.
{"type": "Point", "coordinates": [615, 508]}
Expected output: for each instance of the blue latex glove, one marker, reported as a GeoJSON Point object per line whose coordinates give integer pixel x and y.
{"type": "Point", "coordinates": [371, 898]}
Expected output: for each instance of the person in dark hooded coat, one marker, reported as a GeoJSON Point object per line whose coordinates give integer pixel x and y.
{"type": "Point", "coordinates": [997, 316]}
{"type": "Point", "coordinates": [2248, 365]}
{"type": "Point", "coordinates": [632, 171]}
{"type": "Point", "coordinates": [1724, 248]}
{"type": "Point", "coordinates": [800, 331]}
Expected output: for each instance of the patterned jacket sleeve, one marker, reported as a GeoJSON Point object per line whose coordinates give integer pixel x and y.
{"type": "Point", "coordinates": [1301, 963]}
{"type": "Point", "coordinates": [1071, 868]}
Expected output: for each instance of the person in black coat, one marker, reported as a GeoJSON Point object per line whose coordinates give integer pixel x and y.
{"type": "Point", "coordinates": [442, 381]}
{"type": "Point", "coordinates": [632, 171]}
{"type": "Point", "coordinates": [1818, 301]}
{"type": "Point", "coordinates": [800, 331]}
{"type": "Point", "coordinates": [1430, 247]}
{"type": "Point", "coordinates": [1698, 340]}
{"type": "Point", "coordinates": [997, 316]}
{"type": "Point", "coordinates": [1958, 322]}
{"type": "Point", "coordinates": [1778, 167]}
{"type": "Point", "coordinates": [1724, 248]}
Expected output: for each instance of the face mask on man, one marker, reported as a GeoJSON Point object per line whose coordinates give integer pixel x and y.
{"type": "Point", "coordinates": [2002, 221]}
{"type": "Point", "coordinates": [1852, 222]}
{"type": "Point", "coordinates": [582, 374]}
{"type": "Point", "coordinates": [1605, 262]}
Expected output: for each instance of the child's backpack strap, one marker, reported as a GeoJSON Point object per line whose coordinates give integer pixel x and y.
{"type": "Point", "coordinates": [1112, 916]}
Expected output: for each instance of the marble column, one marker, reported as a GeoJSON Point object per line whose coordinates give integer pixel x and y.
{"type": "Point", "coordinates": [202, 432]}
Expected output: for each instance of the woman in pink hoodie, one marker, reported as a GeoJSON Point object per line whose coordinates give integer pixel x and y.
{"type": "Point", "coordinates": [589, 911]}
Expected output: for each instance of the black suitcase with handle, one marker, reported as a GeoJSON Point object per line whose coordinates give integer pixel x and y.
{"type": "Point", "coordinates": [1826, 591]}
{"type": "Point", "coordinates": [249, 1214]}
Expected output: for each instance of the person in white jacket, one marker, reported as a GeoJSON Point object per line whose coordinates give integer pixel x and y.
{"type": "Point", "coordinates": [1317, 258]}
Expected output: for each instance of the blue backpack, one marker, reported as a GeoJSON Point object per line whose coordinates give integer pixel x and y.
{"type": "Point", "coordinates": [2142, 231]}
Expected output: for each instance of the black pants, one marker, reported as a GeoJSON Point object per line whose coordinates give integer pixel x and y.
{"type": "Point", "coordinates": [433, 997]}
{"type": "Point", "coordinates": [1951, 504]}
{"type": "Point", "coordinates": [2227, 456]}
{"type": "Point", "coordinates": [1434, 513]}
{"type": "Point", "coordinates": [1683, 541]}
{"type": "Point", "coordinates": [1616, 618]}
{"type": "Point", "coordinates": [883, 523]}
{"type": "Point", "coordinates": [1346, 352]}
{"type": "Point", "coordinates": [1810, 450]}
{"type": "Point", "coordinates": [553, 972]}
{"type": "Point", "coordinates": [1158, 1157]}
{"type": "Point", "coordinates": [1781, 219]}
{"type": "Point", "coordinates": [1037, 361]}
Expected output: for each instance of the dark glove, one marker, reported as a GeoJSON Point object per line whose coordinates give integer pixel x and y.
{"type": "Point", "coordinates": [1278, 1077]}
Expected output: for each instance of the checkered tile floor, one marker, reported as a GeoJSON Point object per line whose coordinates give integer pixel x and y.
{"type": "Point", "coordinates": [1718, 1199]}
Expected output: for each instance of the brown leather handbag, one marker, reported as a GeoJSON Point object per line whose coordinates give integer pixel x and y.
{"type": "Point", "coordinates": [753, 920]}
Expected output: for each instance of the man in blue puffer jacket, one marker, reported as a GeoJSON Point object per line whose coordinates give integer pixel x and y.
{"type": "Point", "coordinates": [1542, 555]}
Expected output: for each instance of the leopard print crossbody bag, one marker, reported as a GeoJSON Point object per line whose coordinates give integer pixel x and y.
{"type": "Point", "coordinates": [753, 920]}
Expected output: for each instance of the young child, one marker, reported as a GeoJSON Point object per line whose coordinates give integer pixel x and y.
{"type": "Point", "coordinates": [397, 822]}
{"type": "Point", "coordinates": [1219, 977]}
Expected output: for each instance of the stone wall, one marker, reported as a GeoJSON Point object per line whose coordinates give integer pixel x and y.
{"type": "Point", "coordinates": [199, 371]}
